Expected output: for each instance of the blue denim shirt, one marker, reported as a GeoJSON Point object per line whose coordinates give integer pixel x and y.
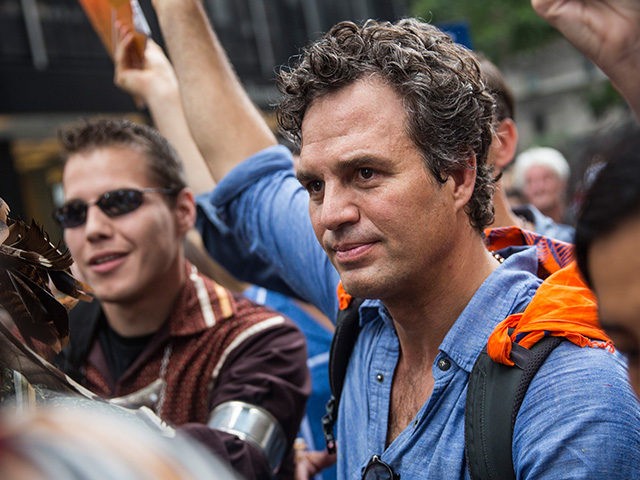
{"type": "Point", "coordinates": [579, 419]}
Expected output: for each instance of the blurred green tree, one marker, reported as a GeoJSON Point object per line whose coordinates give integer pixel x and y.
{"type": "Point", "coordinates": [498, 28]}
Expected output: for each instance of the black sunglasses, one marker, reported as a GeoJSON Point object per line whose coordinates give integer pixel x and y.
{"type": "Point", "coordinates": [376, 469]}
{"type": "Point", "coordinates": [114, 203]}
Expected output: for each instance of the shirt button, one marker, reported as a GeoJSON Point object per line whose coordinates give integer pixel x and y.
{"type": "Point", "coordinates": [444, 364]}
{"type": "Point", "coordinates": [380, 378]}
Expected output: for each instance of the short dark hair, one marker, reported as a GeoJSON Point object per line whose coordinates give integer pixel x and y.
{"type": "Point", "coordinates": [449, 111]}
{"type": "Point", "coordinates": [164, 164]}
{"type": "Point", "coordinates": [614, 196]}
{"type": "Point", "coordinates": [498, 87]}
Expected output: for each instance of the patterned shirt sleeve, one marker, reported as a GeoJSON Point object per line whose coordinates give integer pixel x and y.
{"type": "Point", "coordinates": [268, 370]}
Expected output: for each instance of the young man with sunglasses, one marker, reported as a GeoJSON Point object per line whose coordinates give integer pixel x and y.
{"type": "Point", "coordinates": [231, 373]}
{"type": "Point", "coordinates": [395, 123]}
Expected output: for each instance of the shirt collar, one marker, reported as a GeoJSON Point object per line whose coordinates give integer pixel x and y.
{"type": "Point", "coordinates": [507, 290]}
{"type": "Point", "coordinates": [371, 310]}
{"type": "Point", "coordinates": [187, 316]}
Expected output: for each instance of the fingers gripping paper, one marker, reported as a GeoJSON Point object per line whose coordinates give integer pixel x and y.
{"type": "Point", "coordinates": [105, 15]}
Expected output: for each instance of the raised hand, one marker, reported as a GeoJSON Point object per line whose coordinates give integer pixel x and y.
{"type": "Point", "coordinates": [606, 31]}
{"type": "Point", "coordinates": [148, 79]}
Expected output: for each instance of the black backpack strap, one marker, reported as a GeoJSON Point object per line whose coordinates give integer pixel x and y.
{"type": "Point", "coordinates": [344, 339]}
{"type": "Point", "coordinates": [494, 395]}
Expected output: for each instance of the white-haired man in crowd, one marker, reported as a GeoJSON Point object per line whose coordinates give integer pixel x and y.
{"type": "Point", "coordinates": [542, 174]}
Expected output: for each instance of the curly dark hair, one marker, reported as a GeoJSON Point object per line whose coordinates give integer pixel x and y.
{"type": "Point", "coordinates": [163, 161]}
{"type": "Point", "coordinates": [449, 110]}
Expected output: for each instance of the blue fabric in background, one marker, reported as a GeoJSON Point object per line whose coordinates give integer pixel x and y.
{"type": "Point", "coordinates": [318, 346]}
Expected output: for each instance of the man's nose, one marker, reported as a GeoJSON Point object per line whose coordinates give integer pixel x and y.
{"type": "Point", "coordinates": [98, 224]}
{"type": "Point", "coordinates": [338, 207]}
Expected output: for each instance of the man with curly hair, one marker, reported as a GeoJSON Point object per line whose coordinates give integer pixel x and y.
{"type": "Point", "coordinates": [388, 202]}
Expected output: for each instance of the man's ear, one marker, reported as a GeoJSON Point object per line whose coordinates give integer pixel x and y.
{"type": "Point", "coordinates": [464, 183]}
{"type": "Point", "coordinates": [185, 210]}
{"type": "Point", "coordinates": [504, 145]}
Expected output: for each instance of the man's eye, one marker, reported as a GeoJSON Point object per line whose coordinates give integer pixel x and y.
{"type": "Point", "coordinates": [315, 186]}
{"type": "Point", "coordinates": [366, 173]}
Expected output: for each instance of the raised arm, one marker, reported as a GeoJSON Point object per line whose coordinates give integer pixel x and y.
{"type": "Point", "coordinates": [606, 31]}
{"type": "Point", "coordinates": [153, 83]}
{"type": "Point", "coordinates": [255, 223]}
{"type": "Point", "coordinates": [225, 124]}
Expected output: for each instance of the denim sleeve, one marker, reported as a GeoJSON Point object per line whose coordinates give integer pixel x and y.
{"type": "Point", "coordinates": [579, 419]}
{"type": "Point", "coordinates": [256, 224]}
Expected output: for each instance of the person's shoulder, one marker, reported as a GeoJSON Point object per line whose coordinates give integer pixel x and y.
{"type": "Point", "coordinates": [579, 400]}
{"type": "Point", "coordinates": [597, 354]}
{"type": "Point", "coordinates": [585, 376]}
{"type": "Point", "coordinates": [589, 362]}
{"type": "Point", "coordinates": [249, 312]}
{"type": "Point", "coordinates": [246, 307]}
{"type": "Point", "coordinates": [232, 306]}
{"type": "Point", "coordinates": [545, 225]}
{"type": "Point", "coordinates": [564, 232]}
{"type": "Point", "coordinates": [517, 278]}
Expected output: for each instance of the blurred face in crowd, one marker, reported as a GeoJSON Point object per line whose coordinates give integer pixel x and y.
{"type": "Point", "coordinates": [131, 256]}
{"type": "Point", "coordinates": [543, 188]}
{"type": "Point", "coordinates": [614, 267]}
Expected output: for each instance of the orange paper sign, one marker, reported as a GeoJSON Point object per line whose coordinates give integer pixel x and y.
{"type": "Point", "coordinates": [103, 15]}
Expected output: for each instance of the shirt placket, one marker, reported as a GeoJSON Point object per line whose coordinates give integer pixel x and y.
{"type": "Point", "coordinates": [379, 383]}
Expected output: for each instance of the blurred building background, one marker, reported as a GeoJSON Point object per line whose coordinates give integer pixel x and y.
{"type": "Point", "coordinates": [53, 69]}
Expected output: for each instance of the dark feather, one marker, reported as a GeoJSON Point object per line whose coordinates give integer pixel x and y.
{"type": "Point", "coordinates": [67, 284]}
{"type": "Point", "coordinates": [4, 228]}
{"type": "Point", "coordinates": [33, 238]}
{"type": "Point", "coordinates": [51, 262]}
{"type": "Point", "coordinates": [28, 261]}
{"type": "Point", "coordinates": [36, 314]}
{"type": "Point", "coordinates": [4, 211]}
{"type": "Point", "coordinates": [10, 299]}
{"type": "Point", "coordinates": [33, 258]}
{"type": "Point", "coordinates": [30, 269]}
{"type": "Point", "coordinates": [55, 311]}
